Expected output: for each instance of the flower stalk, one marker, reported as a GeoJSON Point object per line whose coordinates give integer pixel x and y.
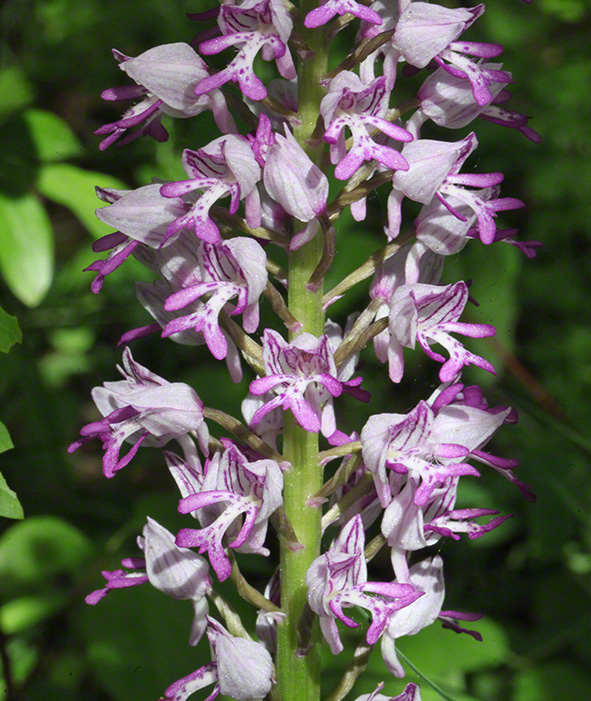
{"type": "Point", "coordinates": [299, 676]}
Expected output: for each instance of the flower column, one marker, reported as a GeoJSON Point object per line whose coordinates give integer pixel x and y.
{"type": "Point", "coordinates": [299, 677]}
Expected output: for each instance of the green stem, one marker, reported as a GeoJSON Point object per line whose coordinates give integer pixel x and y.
{"type": "Point", "coordinates": [299, 676]}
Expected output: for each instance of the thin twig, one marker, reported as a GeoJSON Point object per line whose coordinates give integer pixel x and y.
{"type": "Point", "coordinates": [362, 488]}
{"type": "Point", "coordinates": [362, 323]}
{"type": "Point", "coordinates": [374, 546]}
{"type": "Point", "coordinates": [346, 350]}
{"type": "Point", "coordinates": [363, 188]}
{"type": "Point", "coordinates": [230, 616]}
{"type": "Point", "coordinates": [339, 452]}
{"type": "Point", "coordinates": [251, 351]}
{"type": "Point", "coordinates": [243, 433]}
{"type": "Point", "coordinates": [353, 672]}
{"type": "Point", "coordinates": [281, 523]}
{"type": "Point", "coordinates": [305, 628]}
{"type": "Point", "coordinates": [359, 53]}
{"type": "Point", "coordinates": [246, 591]}
{"type": "Point", "coordinates": [340, 478]}
{"type": "Point", "coordinates": [281, 309]}
{"type": "Point", "coordinates": [328, 254]}
{"type": "Point", "coordinates": [365, 270]}
{"type": "Point", "coordinates": [236, 223]}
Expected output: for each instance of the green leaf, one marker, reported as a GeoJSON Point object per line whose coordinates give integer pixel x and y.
{"type": "Point", "coordinates": [38, 553]}
{"type": "Point", "coordinates": [24, 657]}
{"type": "Point", "coordinates": [438, 652]}
{"type": "Point", "coordinates": [10, 506]}
{"type": "Point", "coordinates": [26, 247]}
{"type": "Point", "coordinates": [74, 188]}
{"type": "Point", "coordinates": [136, 642]}
{"type": "Point", "coordinates": [10, 332]}
{"type": "Point", "coordinates": [5, 442]}
{"type": "Point", "coordinates": [52, 137]}
{"type": "Point", "coordinates": [25, 612]}
{"type": "Point", "coordinates": [554, 680]}
{"type": "Point", "coordinates": [15, 90]}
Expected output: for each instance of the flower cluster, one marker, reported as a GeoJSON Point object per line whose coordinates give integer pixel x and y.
{"type": "Point", "coordinates": [260, 188]}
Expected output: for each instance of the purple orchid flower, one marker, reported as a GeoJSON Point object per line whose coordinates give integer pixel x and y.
{"type": "Point", "coordinates": [338, 579]}
{"type": "Point", "coordinates": [230, 269]}
{"type": "Point", "coordinates": [323, 14]}
{"type": "Point", "coordinates": [303, 376]}
{"type": "Point", "coordinates": [428, 314]}
{"type": "Point", "coordinates": [431, 443]}
{"type": "Point", "coordinates": [180, 265]}
{"type": "Point", "coordinates": [509, 118]}
{"type": "Point", "coordinates": [263, 26]}
{"type": "Point", "coordinates": [434, 173]}
{"type": "Point", "coordinates": [470, 404]}
{"type": "Point", "coordinates": [448, 101]}
{"type": "Point", "coordinates": [269, 426]}
{"type": "Point", "coordinates": [386, 56]}
{"type": "Point", "coordinates": [403, 267]}
{"type": "Point", "coordinates": [235, 500]}
{"type": "Point", "coordinates": [402, 444]}
{"type": "Point", "coordinates": [166, 78]}
{"type": "Point", "coordinates": [360, 107]}
{"type": "Point", "coordinates": [426, 32]}
{"type": "Point", "coordinates": [409, 527]}
{"type": "Point", "coordinates": [240, 669]}
{"type": "Point", "coordinates": [143, 409]}
{"type": "Point", "coordinates": [427, 577]}
{"type": "Point", "coordinates": [141, 216]}
{"type": "Point", "coordinates": [268, 422]}
{"type": "Point", "coordinates": [176, 572]}
{"type": "Point", "coordinates": [226, 166]}
{"type": "Point", "coordinates": [293, 180]}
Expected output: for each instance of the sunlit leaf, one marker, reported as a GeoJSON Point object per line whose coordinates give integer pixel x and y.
{"type": "Point", "coordinates": [38, 551]}
{"type": "Point", "coordinates": [25, 612]}
{"type": "Point", "coordinates": [10, 332]}
{"type": "Point", "coordinates": [52, 137]}
{"type": "Point", "coordinates": [5, 441]}
{"type": "Point", "coordinates": [74, 188]}
{"type": "Point", "coordinates": [26, 247]}
{"type": "Point", "coordinates": [10, 506]}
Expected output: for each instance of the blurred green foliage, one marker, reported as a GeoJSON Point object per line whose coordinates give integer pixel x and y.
{"type": "Point", "coordinates": [532, 577]}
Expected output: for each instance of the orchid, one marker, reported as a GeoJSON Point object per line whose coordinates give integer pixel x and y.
{"type": "Point", "coordinates": [427, 314]}
{"type": "Point", "coordinates": [351, 103]}
{"type": "Point", "coordinates": [177, 572]}
{"type": "Point", "coordinates": [232, 488]}
{"type": "Point", "coordinates": [256, 26]}
{"type": "Point", "coordinates": [143, 408]}
{"type": "Point", "coordinates": [226, 166]}
{"type": "Point", "coordinates": [240, 668]}
{"type": "Point", "coordinates": [428, 31]}
{"type": "Point", "coordinates": [232, 269]}
{"type": "Point", "coordinates": [338, 579]}
{"type": "Point", "coordinates": [303, 376]}
{"type": "Point", "coordinates": [166, 77]}
{"type": "Point", "coordinates": [248, 237]}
